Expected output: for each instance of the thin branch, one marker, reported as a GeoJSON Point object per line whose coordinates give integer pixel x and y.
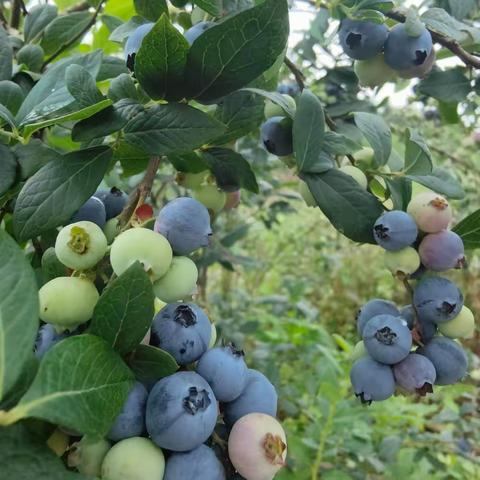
{"type": "Point", "coordinates": [15, 16]}
{"type": "Point", "coordinates": [447, 42]}
{"type": "Point", "coordinates": [140, 194]}
{"type": "Point", "coordinates": [91, 23]}
{"type": "Point", "coordinates": [79, 7]}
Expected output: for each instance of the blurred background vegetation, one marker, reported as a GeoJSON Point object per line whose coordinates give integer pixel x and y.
{"type": "Point", "coordinates": [280, 281]}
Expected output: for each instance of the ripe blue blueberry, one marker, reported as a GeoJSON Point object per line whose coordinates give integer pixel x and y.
{"type": "Point", "coordinates": [225, 370]}
{"type": "Point", "coordinates": [387, 339]}
{"type": "Point", "coordinates": [183, 330]}
{"type": "Point", "coordinates": [415, 374]}
{"type": "Point", "coordinates": [193, 33]}
{"type": "Point", "coordinates": [277, 136]}
{"type": "Point", "coordinates": [185, 223]}
{"type": "Point", "coordinates": [47, 337]}
{"type": "Point", "coordinates": [448, 357]}
{"type": "Point", "coordinates": [93, 210]}
{"type": "Point", "coordinates": [131, 420]}
{"type": "Point", "coordinates": [403, 52]}
{"type": "Point", "coordinates": [198, 464]}
{"type": "Point", "coordinates": [291, 89]}
{"type": "Point", "coordinates": [362, 40]}
{"type": "Point", "coordinates": [395, 230]}
{"type": "Point", "coordinates": [437, 300]}
{"type": "Point", "coordinates": [373, 308]}
{"type": "Point", "coordinates": [181, 412]}
{"type": "Point", "coordinates": [426, 329]}
{"type": "Point", "coordinates": [134, 43]}
{"type": "Point", "coordinates": [442, 251]}
{"type": "Point", "coordinates": [259, 396]}
{"type": "Point", "coordinates": [371, 380]}
{"type": "Point", "coordinates": [114, 201]}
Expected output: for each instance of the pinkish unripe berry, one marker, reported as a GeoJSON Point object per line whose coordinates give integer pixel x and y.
{"type": "Point", "coordinates": [431, 212]}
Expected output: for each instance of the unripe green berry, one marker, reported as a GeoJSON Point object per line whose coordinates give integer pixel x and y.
{"type": "Point", "coordinates": [179, 282]}
{"type": "Point", "coordinates": [358, 351]}
{"type": "Point", "coordinates": [191, 181]}
{"type": "Point", "coordinates": [213, 338]}
{"type": "Point", "coordinates": [58, 442]}
{"type": "Point", "coordinates": [402, 263]}
{"type": "Point", "coordinates": [462, 326]}
{"type": "Point", "coordinates": [87, 456]}
{"type": "Point", "coordinates": [356, 174]}
{"type": "Point", "coordinates": [198, 15]}
{"type": "Point", "coordinates": [67, 302]}
{"type": "Point", "coordinates": [111, 229]}
{"type": "Point", "coordinates": [149, 248]}
{"type": "Point", "coordinates": [364, 157]}
{"type": "Point", "coordinates": [373, 72]}
{"type": "Point", "coordinates": [81, 245]}
{"type": "Point", "coordinates": [213, 198]}
{"type": "Point", "coordinates": [274, 110]}
{"type": "Point", "coordinates": [134, 459]}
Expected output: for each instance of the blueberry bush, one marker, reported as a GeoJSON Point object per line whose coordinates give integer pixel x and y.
{"type": "Point", "coordinates": [205, 205]}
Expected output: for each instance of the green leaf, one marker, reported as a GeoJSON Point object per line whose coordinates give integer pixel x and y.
{"type": "Point", "coordinates": [107, 122]}
{"type": "Point", "coordinates": [133, 160]}
{"type": "Point", "coordinates": [54, 79]}
{"type": "Point", "coordinates": [462, 8]}
{"type": "Point", "coordinates": [8, 169]}
{"type": "Point", "coordinates": [231, 54]}
{"type": "Point", "coordinates": [123, 87]}
{"type": "Point", "coordinates": [71, 112]}
{"type": "Point", "coordinates": [11, 95]}
{"type": "Point", "coordinates": [381, 6]}
{"type": "Point", "coordinates": [438, 20]}
{"type": "Point", "coordinates": [126, 29]}
{"type": "Point", "coordinates": [274, 97]}
{"type": "Point", "coordinates": [24, 456]}
{"type": "Point", "coordinates": [150, 364]}
{"type": "Point", "coordinates": [7, 117]}
{"type": "Point", "coordinates": [413, 26]}
{"type": "Point", "coordinates": [338, 144]}
{"type": "Point", "coordinates": [125, 310]}
{"type": "Point", "coordinates": [170, 128]}
{"type": "Point", "coordinates": [213, 7]}
{"type": "Point", "coordinates": [6, 56]}
{"type": "Point", "coordinates": [37, 19]}
{"type": "Point", "coordinates": [31, 56]}
{"type": "Point", "coordinates": [151, 9]}
{"type": "Point", "coordinates": [440, 181]}
{"type": "Point", "coordinates": [189, 162]}
{"type": "Point", "coordinates": [160, 62]}
{"type": "Point", "coordinates": [242, 113]}
{"type": "Point", "coordinates": [308, 134]}
{"type": "Point", "coordinates": [378, 135]}
{"type": "Point", "coordinates": [62, 30]}
{"type": "Point", "coordinates": [450, 86]}
{"type": "Point", "coordinates": [351, 209]}
{"type": "Point", "coordinates": [58, 190]}
{"type": "Point", "coordinates": [111, 67]}
{"type": "Point", "coordinates": [18, 312]}
{"type": "Point", "coordinates": [33, 156]}
{"type": "Point", "coordinates": [418, 159]}
{"type": "Point", "coordinates": [400, 190]}
{"type": "Point", "coordinates": [449, 112]}
{"type": "Point", "coordinates": [81, 385]}
{"type": "Point", "coordinates": [82, 86]}
{"type": "Point", "coordinates": [230, 169]}
{"type": "Point", "coordinates": [469, 230]}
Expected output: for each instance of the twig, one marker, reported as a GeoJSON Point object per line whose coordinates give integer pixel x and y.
{"type": "Point", "coordinates": [447, 42]}
{"type": "Point", "coordinates": [79, 7]}
{"type": "Point", "coordinates": [299, 76]}
{"type": "Point", "coordinates": [140, 194]}
{"type": "Point", "coordinates": [15, 16]}
{"type": "Point", "coordinates": [76, 37]}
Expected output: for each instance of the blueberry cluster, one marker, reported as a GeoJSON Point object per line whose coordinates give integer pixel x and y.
{"type": "Point", "coordinates": [214, 391]}
{"type": "Point", "coordinates": [381, 54]}
{"type": "Point", "coordinates": [213, 418]}
{"type": "Point", "coordinates": [417, 245]}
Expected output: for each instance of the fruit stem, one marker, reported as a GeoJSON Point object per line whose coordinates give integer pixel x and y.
{"type": "Point", "coordinates": [140, 194]}
{"type": "Point", "coordinates": [417, 336]}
